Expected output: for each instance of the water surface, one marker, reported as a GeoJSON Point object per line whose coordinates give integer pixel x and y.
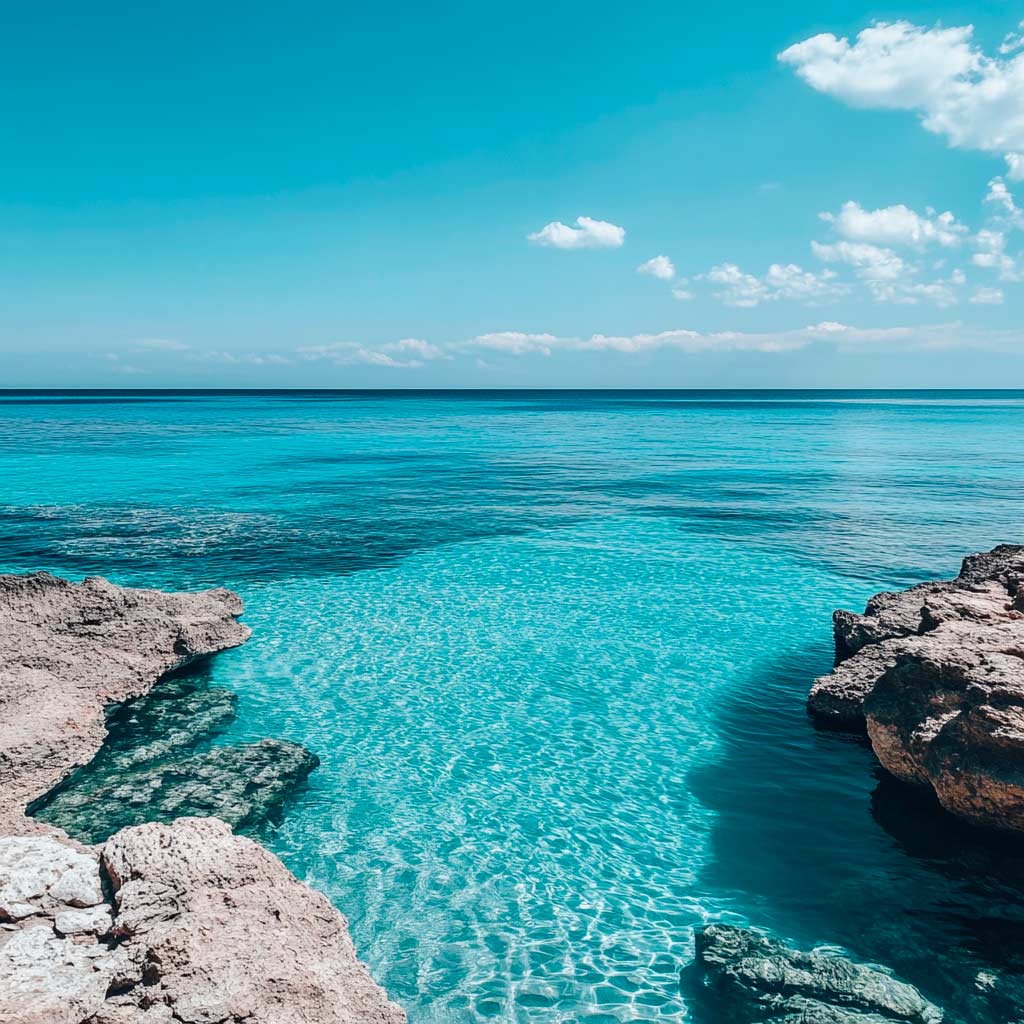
{"type": "Point", "coordinates": [552, 650]}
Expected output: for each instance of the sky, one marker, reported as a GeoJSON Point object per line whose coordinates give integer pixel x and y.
{"type": "Point", "coordinates": [654, 194]}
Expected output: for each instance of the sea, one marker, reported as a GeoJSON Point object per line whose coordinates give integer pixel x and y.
{"type": "Point", "coordinates": [552, 649]}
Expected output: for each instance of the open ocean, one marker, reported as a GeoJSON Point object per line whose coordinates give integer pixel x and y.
{"type": "Point", "coordinates": [552, 649]}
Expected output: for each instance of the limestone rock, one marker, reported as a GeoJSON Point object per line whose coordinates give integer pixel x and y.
{"type": "Point", "coordinates": [281, 955]}
{"type": "Point", "coordinates": [95, 920]}
{"type": "Point", "coordinates": [936, 675]}
{"type": "Point", "coordinates": [750, 978]}
{"type": "Point", "coordinates": [39, 875]}
{"type": "Point", "coordinates": [86, 645]}
{"type": "Point", "coordinates": [45, 979]}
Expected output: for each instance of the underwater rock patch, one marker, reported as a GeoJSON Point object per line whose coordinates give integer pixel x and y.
{"type": "Point", "coordinates": [149, 770]}
{"type": "Point", "coordinates": [750, 978]}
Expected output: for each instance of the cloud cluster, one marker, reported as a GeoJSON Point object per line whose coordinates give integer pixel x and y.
{"type": "Point", "coordinates": [588, 234]}
{"type": "Point", "coordinates": [734, 287]}
{"type": "Point", "coordinates": [973, 100]}
{"type": "Point", "coordinates": [405, 354]}
{"type": "Point", "coordinates": [515, 343]}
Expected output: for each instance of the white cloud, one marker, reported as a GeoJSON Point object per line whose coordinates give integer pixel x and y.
{"type": "Point", "coordinates": [895, 225]}
{"type": "Point", "coordinates": [1001, 198]}
{"type": "Point", "coordinates": [782, 281]}
{"type": "Point", "coordinates": [872, 262]}
{"type": "Point", "coordinates": [588, 234]}
{"type": "Point", "coordinates": [1012, 41]}
{"type": "Point", "coordinates": [790, 281]}
{"type": "Point", "coordinates": [349, 353]}
{"type": "Point", "coordinates": [987, 297]}
{"type": "Point", "coordinates": [888, 277]}
{"type": "Point", "coordinates": [658, 266]}
{"type": "Point", "coordinates": [973, 100]}
{"type": "Point", "coordinates": [416, 347]}
{"type": "Point", "coordinates": [519, 344]}
{"type": "Point", "coordinates": [737, 288]}
{"type": "Point", "coordinates": [405, 354]}
{"type": "Point", "coordinates": [516, 342]}
{"type": "Point", "coordinates": [238, 358]}
{"type": "Point", "coordinates": [991, 241]}
{"type": "Point", "coordinates": [1015, 166]}
{"type": "Point", "coordinates": [681, 291]}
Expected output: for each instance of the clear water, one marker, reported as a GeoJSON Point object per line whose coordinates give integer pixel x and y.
{"type": "Point", "coordinates": [552, 649]}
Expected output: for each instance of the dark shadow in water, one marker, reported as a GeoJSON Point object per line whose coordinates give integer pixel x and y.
{"type": "Point", "coordinates": [814, 842]}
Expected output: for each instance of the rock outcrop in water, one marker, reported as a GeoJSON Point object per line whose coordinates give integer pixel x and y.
{"type": "Point", "coordinates": [148, 769]}
{"type": "Point", "coordinates": [750, 978]}
{"type": "Point", "coordinates": [179, 923]}
{"type": "Point", "coordinates": [936, 676]}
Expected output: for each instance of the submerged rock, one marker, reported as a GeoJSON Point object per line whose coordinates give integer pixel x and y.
{"type": "Point", "coordinates": [750, 978]}
{"type": "Point", "coordinates": [148, 768]}
{"type": "Point", "coordinates": [936, 676]}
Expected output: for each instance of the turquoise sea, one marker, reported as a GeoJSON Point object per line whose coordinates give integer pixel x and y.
{"type": "Point", "coordinates": [552, 649]}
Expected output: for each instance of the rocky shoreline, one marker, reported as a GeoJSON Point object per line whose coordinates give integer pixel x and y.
{"type": "Point", "coordinates": [181, 922]}
{"type": "Point", "coordinates": [935, 675]}
{"type": "Point", "coordinates": [126, 896]}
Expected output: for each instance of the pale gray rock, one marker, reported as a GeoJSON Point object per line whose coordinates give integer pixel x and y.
{"type": "Point", "coordinates": [46, 979]}
{"type": "Point", "coordinates": [749, 978]}
{"type": "Point", "coordinates": [95, 921]}
{"type": "Point", "coordinates": [281, 954]}
{"type": "Point", "coordinates": [39, 874]}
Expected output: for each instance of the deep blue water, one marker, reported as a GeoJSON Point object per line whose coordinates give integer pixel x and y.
{"type": "Point", "coordinates": [552, 649]}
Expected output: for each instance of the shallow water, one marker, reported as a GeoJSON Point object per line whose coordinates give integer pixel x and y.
{"type": "Point", "coordinates": [552, 650]}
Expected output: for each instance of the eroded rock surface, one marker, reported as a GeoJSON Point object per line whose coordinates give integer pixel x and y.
{"type": "Point", "coordinates": [936, 676]}
{"type": "Point", "coordinates": [216, 927]}
{"type": "Point", "coordinates": [752, 979]}
{"type": "Point", "coordinates": [69, 649]}
{"type": "Point", "coordinates": [180, 923]}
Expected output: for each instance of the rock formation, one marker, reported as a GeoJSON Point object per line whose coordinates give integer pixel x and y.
{"type": "Point", "coordinates": [149, 770]}
{"type": "Point", "coordinates": [68, 650]}
{"type": "Point", "coordinates": [179, 923]}
{"type": "Point", "coordinates": [936, 676]}
{"type": "Point", "coordinates": [750, 978]}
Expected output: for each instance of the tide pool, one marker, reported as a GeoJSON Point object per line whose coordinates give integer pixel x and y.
{"type": "Point", "coordinates": [552, 650]}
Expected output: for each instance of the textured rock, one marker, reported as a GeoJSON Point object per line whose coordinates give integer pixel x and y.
{"type": "Point", "coordinates": [46, 979]}
{"type": "Point", "coordinates": [84, 646]}
{"type": "Point", "coordinates": [39, 874]}
{"type": "Point", "coordinates": [986, 590]}
{"type": "Point", "coordinates": [181, 923]}
{"type": "Point", "coordinates": [281, 952]}
{"type": "Point", "coordinates": [937, 678]}
{"type": "Point", "coordinates": [750, 978]}
{"type": "Point", "coordinates": [147, 769]}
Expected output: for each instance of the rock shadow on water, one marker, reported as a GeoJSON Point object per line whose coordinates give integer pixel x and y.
{"type": "Point", "coordinates": [813, 842]}
{"type": "Point", "coordinates": [159, 762]}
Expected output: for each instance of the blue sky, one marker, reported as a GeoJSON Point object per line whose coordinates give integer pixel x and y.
{"type": "Point", "coordinates": [333, 195]}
